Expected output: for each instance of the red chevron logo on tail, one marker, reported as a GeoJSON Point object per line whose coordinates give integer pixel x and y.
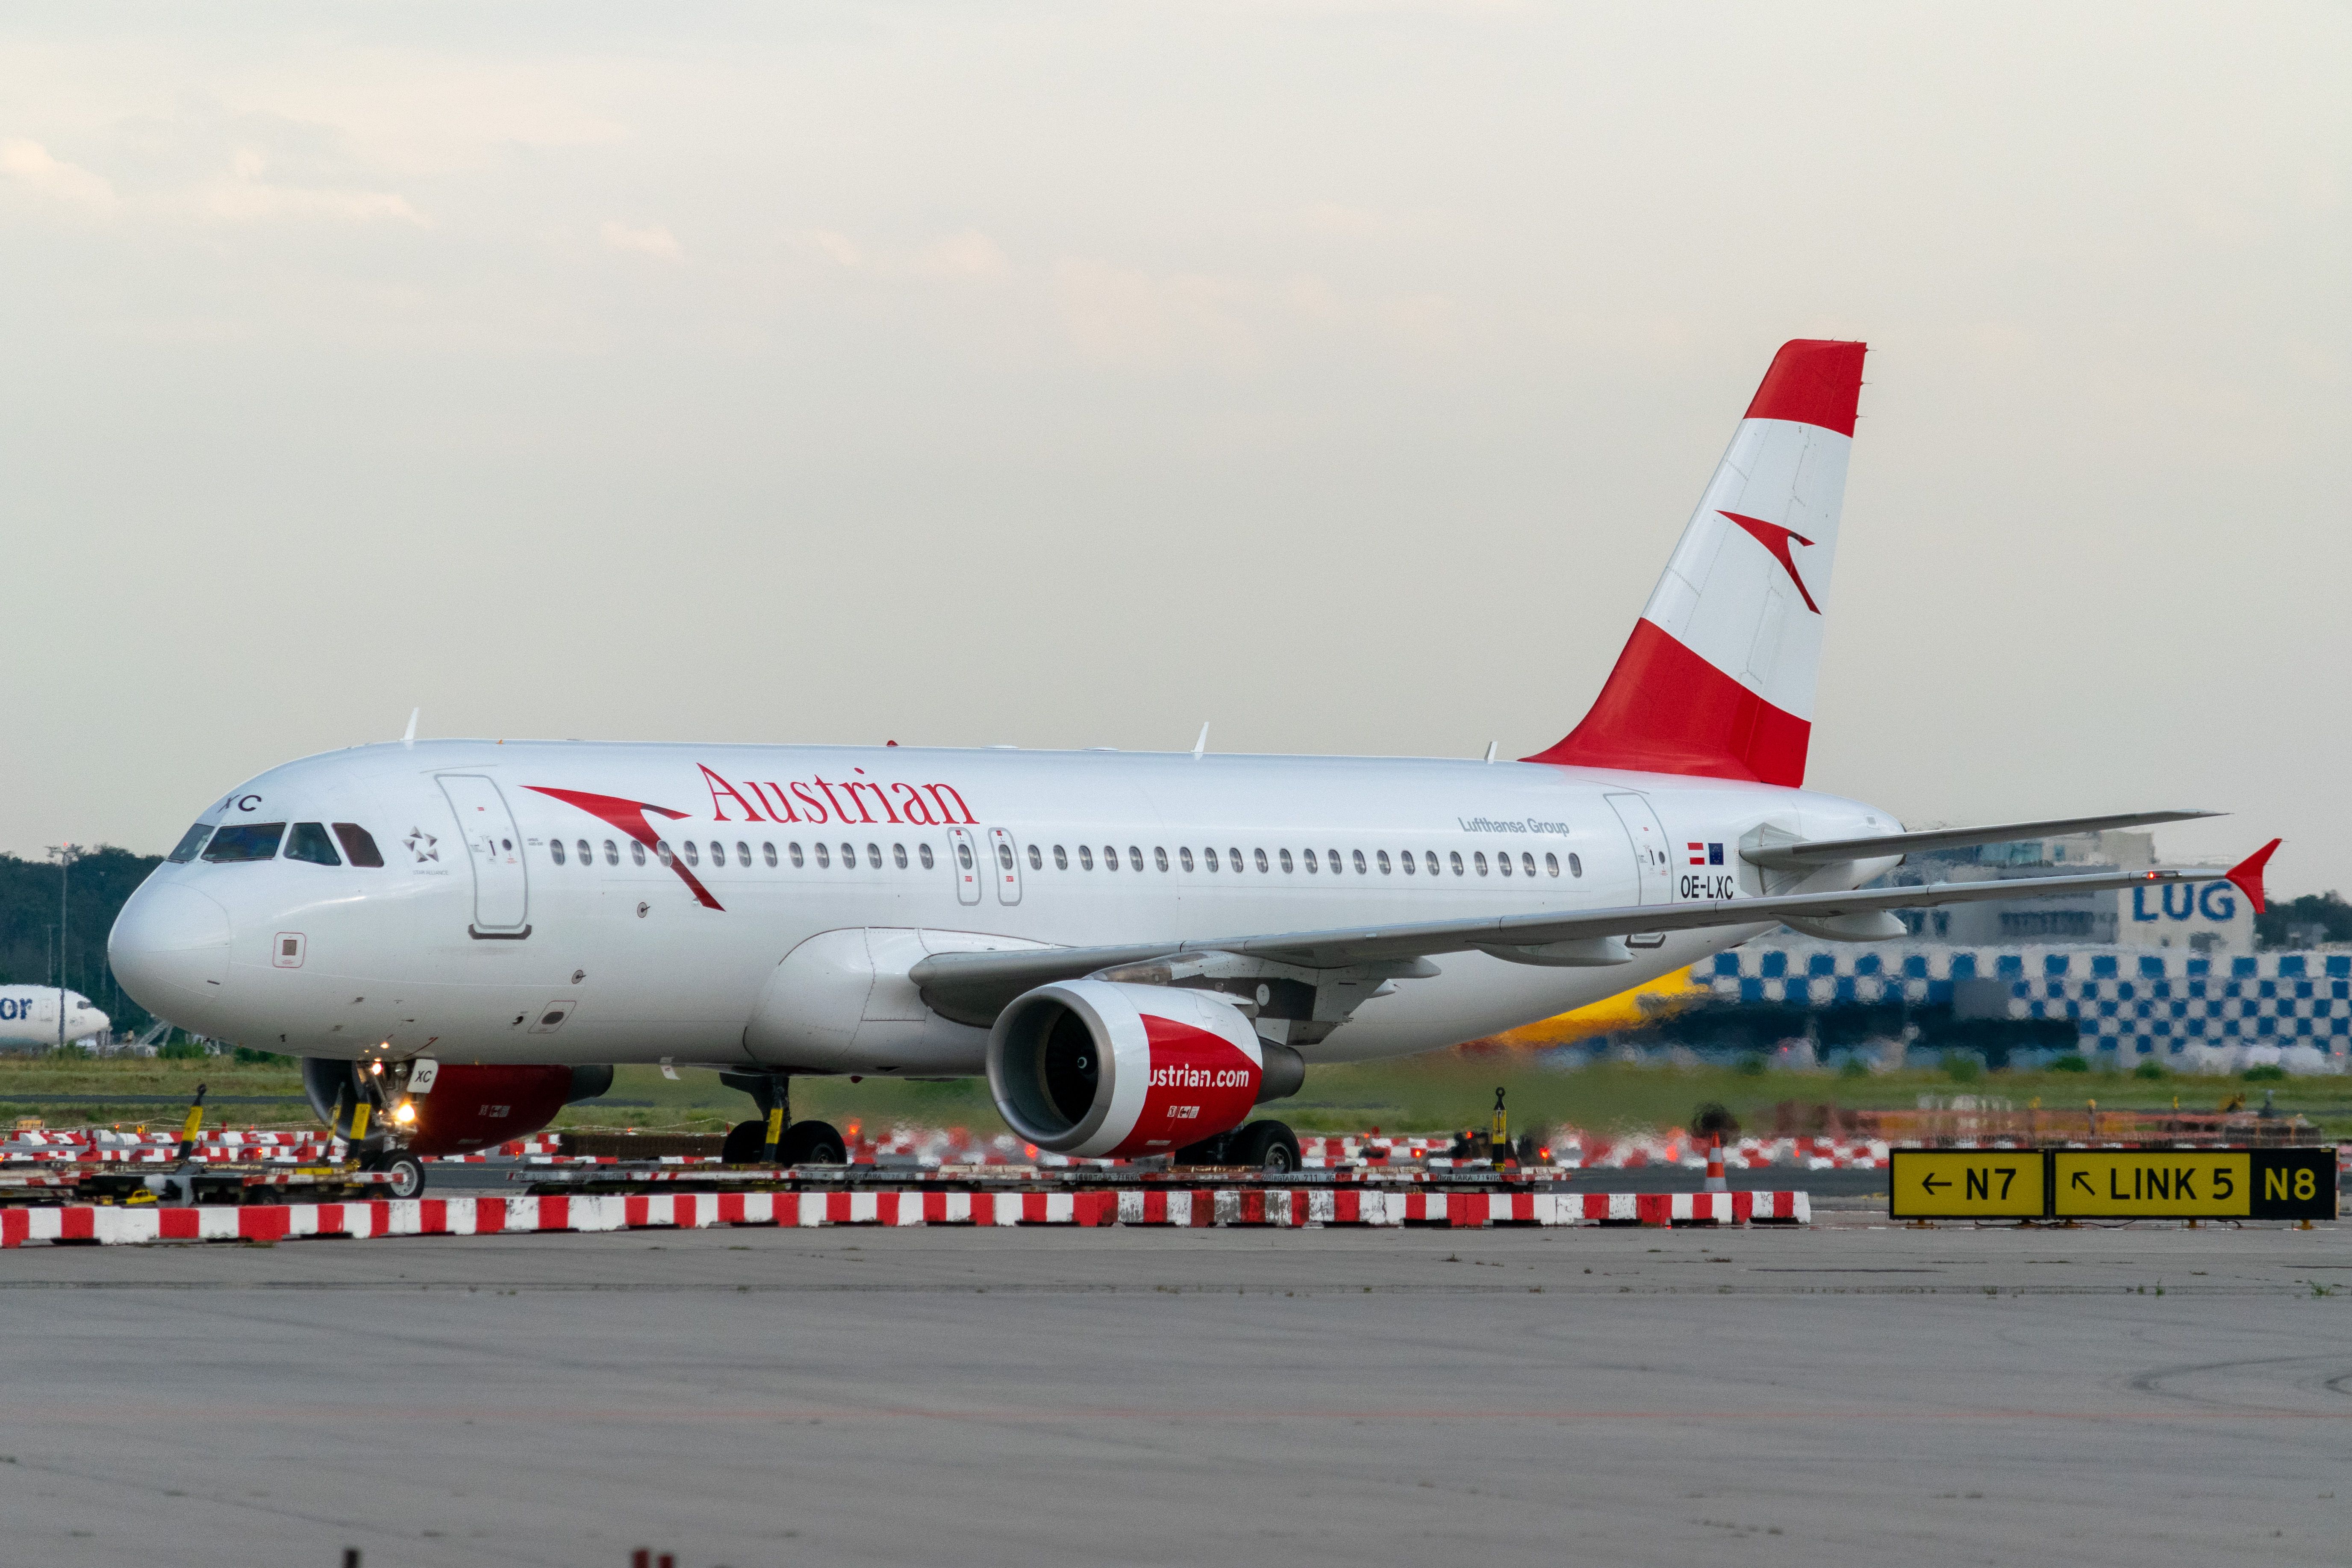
{"type": "Point", "coordinates": [1774, 538]}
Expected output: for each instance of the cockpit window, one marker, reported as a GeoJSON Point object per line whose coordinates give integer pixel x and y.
{"type": "Point", "coordinates": [309, 841]}
{"type": "Point", "coordinates": [246, 841]}
{"type": "Point", "coordinates": [359, 844]}
{"type": "Point", "coordinates": [190, 842]}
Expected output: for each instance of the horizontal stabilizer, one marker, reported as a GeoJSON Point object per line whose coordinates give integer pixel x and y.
{"type": "Point", "coordinates": [1830, 851]}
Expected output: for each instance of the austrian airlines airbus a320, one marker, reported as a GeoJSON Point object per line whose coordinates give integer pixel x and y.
{"type": "Point", "coordinates": [1135, 949]}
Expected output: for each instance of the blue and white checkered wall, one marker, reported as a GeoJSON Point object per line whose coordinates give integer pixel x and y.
{"type": "Point", "coordinates": [2120, 998]}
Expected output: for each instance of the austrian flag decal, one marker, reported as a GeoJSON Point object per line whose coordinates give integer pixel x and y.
{"type": "Point", "coordinates": [1706, 854]}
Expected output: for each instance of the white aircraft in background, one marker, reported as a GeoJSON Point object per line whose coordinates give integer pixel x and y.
{"type": "Point", "coordinates": [28, 1016]}
{"type": "Point", "coordinates": [1137, 949]}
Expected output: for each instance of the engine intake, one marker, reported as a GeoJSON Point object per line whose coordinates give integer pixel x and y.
{"type": "Point", "coordinates": [1096, 1068]}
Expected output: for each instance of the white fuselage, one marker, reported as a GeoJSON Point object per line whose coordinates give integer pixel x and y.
{"type": "Point", "coordinates": [28, 1016]}
{"type": "Point", "coordinates": [819, 874]}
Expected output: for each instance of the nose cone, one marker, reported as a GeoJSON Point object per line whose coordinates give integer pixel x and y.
{"type": "Point", "coordinates": [170, 949]}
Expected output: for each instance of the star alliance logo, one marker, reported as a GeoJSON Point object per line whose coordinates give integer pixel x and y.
{"type": "Point", "coordinates": [421, 844]}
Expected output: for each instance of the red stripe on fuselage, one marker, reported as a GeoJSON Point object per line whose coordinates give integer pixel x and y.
{"type": "Point", "coordinates": [1668, 710]}
{"type": "Point", "coordinates": [629, 816]}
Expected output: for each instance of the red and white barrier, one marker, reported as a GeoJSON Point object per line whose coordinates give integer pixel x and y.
{"type": "Point", "coordinates": [137, 1225]}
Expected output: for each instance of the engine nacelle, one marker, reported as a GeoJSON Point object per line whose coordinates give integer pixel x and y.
{"type": "Point", "coordinates": [1094, 1068]}
{"type": "Point", "coordinates": [468, 1108]}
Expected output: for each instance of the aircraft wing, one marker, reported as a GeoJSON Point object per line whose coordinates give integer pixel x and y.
{"type": "Point", "coordinates": [1809, 854]}
{"type": "Point", "coordinates": [978, 984]}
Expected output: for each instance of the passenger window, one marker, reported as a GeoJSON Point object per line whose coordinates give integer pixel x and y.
{"type": "Point", "coordinates": [1551, 863]}
{"type": "Point", "coordinates": [309, 841]}
{"type": "Point", "coordinates": [246, 841]}
{"type": "Point", "coordinates": [793, 849]}
{"type": "Point", "coordinates": [1160, 856]}
{"type": "Point", "coordinates": [637, 853]}
{"type": "Point", "coordinates": [1575, 864]}
{"type": "Point", "coordinates": [1308, 855]}
{"type": "Point", "coordinates": [1503, 862]}
{"type": "Point", "coordinates": [1285, 861]}
{"type": "Point", "coordinates": [1085, 859]}
{"type": "Point", "coordinates": [963, 856]}
{"type": "Point", "coordinates": [1432, 862]}
{"type": "Point", "coordinates": [1359, 863]}
{"type": "Point", "coordinates": [554, 848]}
{"type": "Point", "coordinates": [1209, 858]}
{"type": "Point", "coordinates": [587, 852]}
{"type": "Point", "coordinates": [359, 845]}
{"type": "Point", "coordinates": [1527, 863]}
{"type": "Point", "coordinates": [1036, 858]}
{"type": "Point", "coordinates": [768, 852]}
{"type": "Point", "coordinates": [824, 856]}
{"type": "Point", "coordinates": [899, 855]}
{"type": "Point", "coordinates": [717, 853]}
{"type": "Point", "coordinates": [1384, 862]}
{"type": "Point", "coordinates": [872, 856]}
{"type": "Point", "coordinates": [1135, 856]}
{"type": "Point", "coordinates": [1061, 858]}
{"type": "Point", "coordinates": [849, 857]}
{"type": "Point", "coordinates": [1261, 863]}
{"type": "Point", "coordinates": [190, 842]}
{"type": "Point", "coordinates": [1479, 861]}
{"type": "Point", "coordinates": [1411, 865]}
{"type": "Point", "coordinates": [1004, 856]}
{"type": "Point", "coordinates": [1235, 856]}
{"type": "Point", "coordinates": [693, 857]}
{"type": "Point", "coordinates": [923, 853]}
{"type": "Point", "coordinates": [1184, 858]}
{"type": "Point", "coordinates": [661, 852]}
{"type": "Point", "coordinates": [742, 853]}
{"type": "Point", "coordinates": [1110, 856]}
{"type": "Point", "coordinates": [1454, 858]}
{"type": "Point", "coordinates": [1334, 862]}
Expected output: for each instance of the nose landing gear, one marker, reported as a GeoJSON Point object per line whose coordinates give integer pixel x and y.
{"type": "Point", "coordinates": [405, 1170]}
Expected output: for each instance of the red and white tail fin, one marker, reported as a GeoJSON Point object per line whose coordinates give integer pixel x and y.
{"type": "Point", "coordinates": [1717, 679]}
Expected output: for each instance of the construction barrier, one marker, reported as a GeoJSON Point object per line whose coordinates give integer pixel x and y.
{"type": "Point", "coordinates": [142, 1224]}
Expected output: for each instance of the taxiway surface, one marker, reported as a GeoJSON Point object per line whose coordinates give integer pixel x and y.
{"type": "Point", "coordinates": [2138, 1397]}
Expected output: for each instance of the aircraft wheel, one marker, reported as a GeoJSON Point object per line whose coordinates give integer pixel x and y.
{"type": "Point", "coordinates": [1270, 1146]}
{"type": "Point", "coordinates": [406, 1171]}
{"type": "Point", "coordinates": [1207, 1151]}
{"type": "Point", "coordinates": [745, 1141]}
{"type": "Point", "coordinates": [814, 1143]}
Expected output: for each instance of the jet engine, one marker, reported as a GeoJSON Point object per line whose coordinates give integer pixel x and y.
{"type": "Point", "coordinates": [465, 1108]}
{"type": "Point", "coordinates": [1098, 1067]}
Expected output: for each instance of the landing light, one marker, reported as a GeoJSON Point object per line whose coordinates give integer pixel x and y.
{"type": "Point", "coordinates": [404, 1113]}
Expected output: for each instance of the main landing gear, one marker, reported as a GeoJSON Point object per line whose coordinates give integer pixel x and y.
{"type": "Point", "coordinates": [798, 1143]}
{"type": "Point", "coordinates": [1270, 1146]}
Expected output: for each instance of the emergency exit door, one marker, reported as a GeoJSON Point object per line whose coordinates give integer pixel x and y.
{"type": "Point", "coordinates": [502, 885]}
{"type": "Point", "coordinates": [964, 865]}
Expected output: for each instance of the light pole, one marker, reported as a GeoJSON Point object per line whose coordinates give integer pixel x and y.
{"type": "Point", "coordinates": [65, 857]}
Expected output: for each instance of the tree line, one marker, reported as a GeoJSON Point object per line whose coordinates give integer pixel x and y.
{"type": "Point", "coordinates": [101, 880]}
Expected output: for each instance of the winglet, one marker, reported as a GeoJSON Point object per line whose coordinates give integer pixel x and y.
{"type": "Point", "coordinates": [2247, 874]}
{"type": "Point", "coordinates": [1201, 746]}
{"type": "Point", "coordinates": [410, 737]}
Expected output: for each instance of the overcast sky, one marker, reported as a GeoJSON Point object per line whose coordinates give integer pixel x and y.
{"type": "Point", "coordinates": [1341, 375]}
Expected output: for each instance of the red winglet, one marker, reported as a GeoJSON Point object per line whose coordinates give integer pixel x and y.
{"type": "Point", "coordinates": [2247, 874]}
